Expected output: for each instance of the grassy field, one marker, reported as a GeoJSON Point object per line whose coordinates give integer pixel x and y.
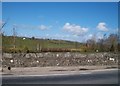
{"type": "Point", "coordinates": [33, 44]}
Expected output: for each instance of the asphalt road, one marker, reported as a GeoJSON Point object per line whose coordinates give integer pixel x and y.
{"type": "Point", "coordinates": [87, 77]}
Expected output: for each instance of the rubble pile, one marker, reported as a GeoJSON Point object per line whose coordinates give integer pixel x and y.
{"type": "Point", "coordinates": [58, 59]}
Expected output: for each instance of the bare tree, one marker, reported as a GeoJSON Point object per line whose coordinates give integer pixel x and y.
{"type": "Point", "coordinates": [3, 24]}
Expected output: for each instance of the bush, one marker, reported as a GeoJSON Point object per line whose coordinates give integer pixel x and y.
{"type": "Point", "coordinates": [25, 49]}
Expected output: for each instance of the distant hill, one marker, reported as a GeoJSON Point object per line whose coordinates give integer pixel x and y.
{"type": "Point", "coordinates": [23, 44]}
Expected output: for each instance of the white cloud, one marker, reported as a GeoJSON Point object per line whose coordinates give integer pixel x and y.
{"type": "Point", "coordinates": [47, 35]}
{"type": "Point", "coordinates": [100, 35]}
{"type": "Point", "coordinates": [75, 29]}
{"type": "Point", "coordinates": [87, 37]}
{"type": "Point", "coordinates": [0, 22]}
{"type": "Point", "coordinates": [90, 36]}
{"type": "Point", "coordinates": [102, 26]}
{"type": "Point", "coordinates": [40, 27]}
{"type": "Point", "coordinates": [24, 26]}
{"type": "Point", "coordinates": [61, 36]}
{"type": "Point", "coordinates": [94, 36]}
{"type": "Point", "coordinates": [43, 27]}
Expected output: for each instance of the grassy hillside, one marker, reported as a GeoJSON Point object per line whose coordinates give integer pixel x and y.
{"type": "Point", "coordinates": [34, 45]}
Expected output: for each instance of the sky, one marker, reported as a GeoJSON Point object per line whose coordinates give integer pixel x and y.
{"type": "Point", "coordinates": [74, 21]}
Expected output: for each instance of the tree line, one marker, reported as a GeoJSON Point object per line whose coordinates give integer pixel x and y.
{"type": "Point", "coordinates": [106, 44]}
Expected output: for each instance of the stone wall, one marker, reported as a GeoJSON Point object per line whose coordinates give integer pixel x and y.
{"type": "Point", "coordinates": [58, 59]}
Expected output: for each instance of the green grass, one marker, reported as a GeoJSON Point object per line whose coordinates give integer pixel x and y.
{"type": "Point", "coordinates": [32, 44]}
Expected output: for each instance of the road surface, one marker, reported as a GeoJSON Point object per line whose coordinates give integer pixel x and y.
{"type": "Point", "coordinates": [95, 77]}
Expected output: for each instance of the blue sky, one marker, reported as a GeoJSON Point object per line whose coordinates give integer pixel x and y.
{"type": "Point", "coordinates": [68, 21]}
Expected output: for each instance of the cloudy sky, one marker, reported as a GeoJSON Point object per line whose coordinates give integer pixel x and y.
{"type": "Point", "coordinates": [68, 21]}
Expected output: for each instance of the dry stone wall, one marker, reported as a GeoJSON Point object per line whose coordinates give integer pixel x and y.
{"type": "Point", "coordinates": [58, 59]}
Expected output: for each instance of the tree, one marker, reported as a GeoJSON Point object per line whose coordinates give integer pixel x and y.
{"type": "Point", "coordinates": [33, 38]}
{"type": "Point", "coordinates": [91, 45]}
{"type": "Point", "coordinates": [113, 40]}
{"type": "Point", "coordinates": [112, 48]}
